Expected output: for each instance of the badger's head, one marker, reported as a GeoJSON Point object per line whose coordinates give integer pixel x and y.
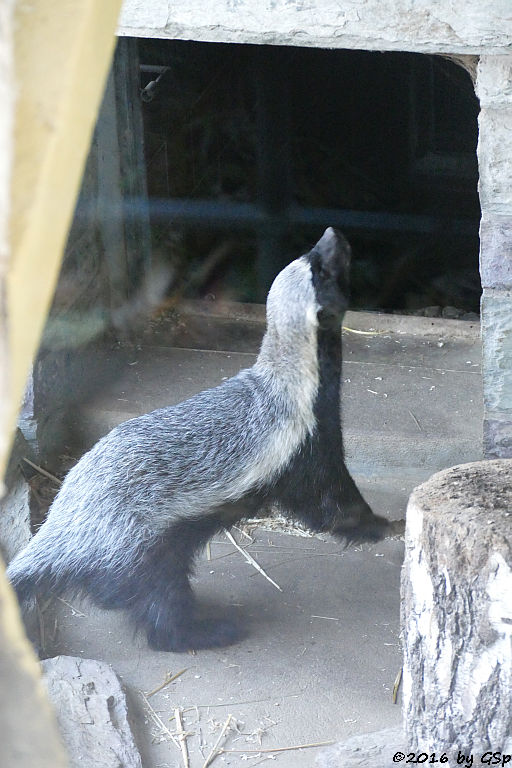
{"type": "Point", "coordinates": [312, 291]}
{"type": "Point", "coordinates": [330, 269]}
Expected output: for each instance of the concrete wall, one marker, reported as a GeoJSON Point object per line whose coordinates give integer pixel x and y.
{"type": "Point", "coordinates": [494, 89]}
{"type": "Point", "coordinates": [427, 26]}
{"type": "Point", "coordinates": [462, 28]}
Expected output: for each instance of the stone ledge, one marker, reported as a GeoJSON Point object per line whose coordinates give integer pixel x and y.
{"type": "Point", "coordinates": [445, 27]}
{"type": "Point", "coordinates": [358, 320]}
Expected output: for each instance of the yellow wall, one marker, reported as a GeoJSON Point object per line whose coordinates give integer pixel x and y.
{"type": "Point", "coordinates": [62, 53]}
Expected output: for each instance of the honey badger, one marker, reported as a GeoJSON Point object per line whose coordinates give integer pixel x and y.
{"type": "Point", "coordinates": [136, 509]}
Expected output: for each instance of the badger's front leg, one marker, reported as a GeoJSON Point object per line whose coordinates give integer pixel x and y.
{"type": "Point", "coordinates": [345, 513]}
{"type": "Point", "coordinates": [350, 516]}
{"type": "Point", "coordinates": [317, 490]}
{"type": "Point", "coordinates": [341, 510]}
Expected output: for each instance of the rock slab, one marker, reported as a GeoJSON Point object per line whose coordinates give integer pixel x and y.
{"type": "Point", "coordinates": [15, 530]}
{"type": "Point", "coordinates": [91, 713]}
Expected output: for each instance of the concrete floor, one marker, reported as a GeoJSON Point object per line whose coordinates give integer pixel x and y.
{"type": "Point", "coordinates": [321, 657]}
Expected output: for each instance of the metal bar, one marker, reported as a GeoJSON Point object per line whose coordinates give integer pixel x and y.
{"type": "Point", "coordinates": [207, 213]}
{"type": "Point", "coordinates": [384, 221]}
{"type": "Point", "coordinates": [243, 215]}
{"type": "Point", "coordinates": [215, 214]}
{"type": "Point", "coordinates": [154, 68]}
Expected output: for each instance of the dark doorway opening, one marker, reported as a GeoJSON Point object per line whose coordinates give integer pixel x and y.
{"type": "Point", "coordinates": [252, 150]}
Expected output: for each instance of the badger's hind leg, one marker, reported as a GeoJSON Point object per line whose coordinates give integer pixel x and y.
{"type": "Point", "coordinates": [161, 601]}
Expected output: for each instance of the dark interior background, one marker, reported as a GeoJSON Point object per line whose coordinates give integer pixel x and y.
{"type": "Point", "coordinates": [384, 133]}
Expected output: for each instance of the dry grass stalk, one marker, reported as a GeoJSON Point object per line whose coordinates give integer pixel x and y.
{"type": "Point", "coordinates": [275, 521]}
{"type": "Point", "coordinates": [216, 751]}
{"type": "Point", "coordinates": [396, 685]}
{"type": "Point", "coordinates": [279, 749]}
{"type": "Point", "coordinates": [168, 679]}
{"type": "Point", "coordinates": [159, 722]}
{"type": "Point", "coordinates": [74, 610]}
{"type": "Point", "coordinates": [41, 609]}
{"type": "Point", "coordinates": [252, 561]}
{"type": "Point", "coordinates": [244, 533]}
{"type": "Point", "coordinates": [42, 471]}
{"type": "Point", "coordinates": [241, 703]}
{"type": "Point", "coordinates": [182, 737]}
{"type": "Point", "coordinates": [362, 333]}
{"type": "Point", "coordinates": [42, 635]}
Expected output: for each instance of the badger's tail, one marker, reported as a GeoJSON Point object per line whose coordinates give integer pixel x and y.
{"type": "Point", "coordinates": [31, 571]}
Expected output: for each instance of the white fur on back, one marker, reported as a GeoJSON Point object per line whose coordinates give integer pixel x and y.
{"type": "Point", "coordinates": [289, 359]}
{"type": "Point", "coordinates": [288, 367]}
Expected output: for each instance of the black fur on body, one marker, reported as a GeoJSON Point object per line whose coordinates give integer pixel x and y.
{"type": "Point", "coordinates": [137, 508]}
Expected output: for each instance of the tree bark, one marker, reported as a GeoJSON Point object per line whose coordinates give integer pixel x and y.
{"type": "Point", "coordinates": [457, 612]}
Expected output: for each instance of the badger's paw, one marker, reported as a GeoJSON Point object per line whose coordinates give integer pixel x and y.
{"type": "Point", "coordinates": [371, 530]}
{"type": "Point", "coordinates": [196, 636]}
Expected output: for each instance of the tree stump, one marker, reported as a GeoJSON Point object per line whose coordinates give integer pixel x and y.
{"type": "Point", "coordinates": [457, 612]}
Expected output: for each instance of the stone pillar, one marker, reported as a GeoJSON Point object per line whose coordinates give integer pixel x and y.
{"type": "Point", "coordinates": [494, 89]}
{"type": "Point", "coordinates": [457, 613]}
